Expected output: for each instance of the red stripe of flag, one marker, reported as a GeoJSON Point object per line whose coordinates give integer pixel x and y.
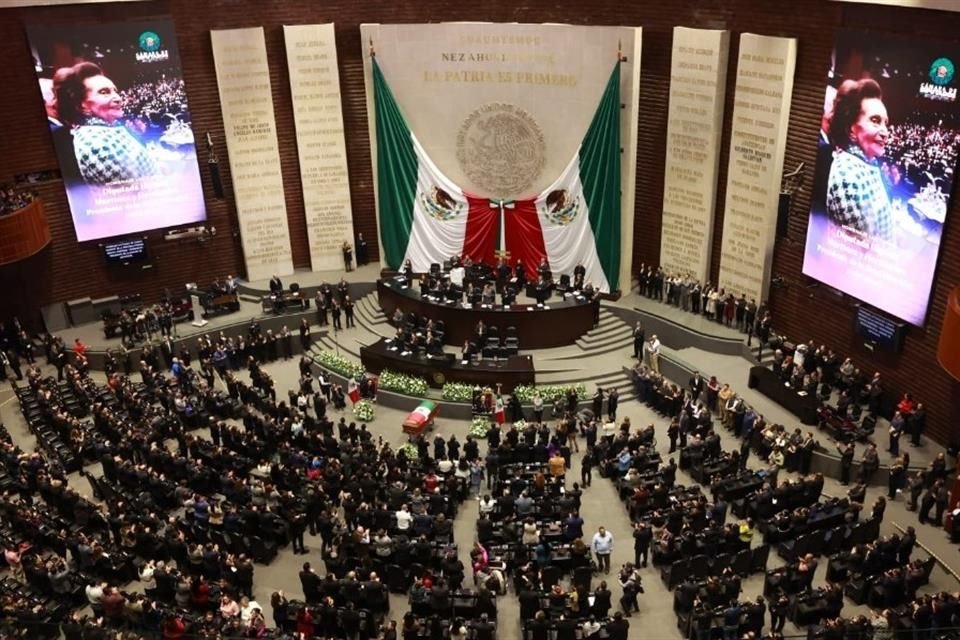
{"type": "Point", "coordinates": [483, 225]}
{"type": "Point", "coordinates": [524, 236]}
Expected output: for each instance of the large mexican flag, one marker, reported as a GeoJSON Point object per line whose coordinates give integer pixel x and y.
{"type": "Point", "coordinates": [576, 220]}
{"type": "Point", "coordinates": [426, 218]}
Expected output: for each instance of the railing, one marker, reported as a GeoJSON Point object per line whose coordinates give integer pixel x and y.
{"type": "Point", "coordinates": [24, 232]}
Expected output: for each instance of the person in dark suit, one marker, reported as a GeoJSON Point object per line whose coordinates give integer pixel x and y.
{"type": "Point", "coordinates": [348, 311]}
{"type": "Point", "coordinates": [543, 269]}
{"type": "Point", "coordinates": [276, 286]}
{"type": "Point", "coordinates": [927, 502]}
{"type": "Point", "coordinates": [917, 422]}
{"type": "Point", "coordinates": [696, 385]}
{"type": "Point", "coordinates": [362, 254]}
{"type": "Point", "coordinates": [520, 272]}
{"type": "Point", "coordinates": [618, 628]}
{"type": "Point", "coordinates": [597, 402]}
{"type": "Point", "coordinates": [941, 498]}
{"type": "Point", "coordinates": [543, 290]}
{"type": "Point", "coordinates": [336, 311]}
{"type": "Point", "coordinates": [579, 276]}
{"type": "Point", "coordinates": [846, 462]}
{"type": "Point", "coordinates": [613, 398]}
{"type": "Point", "coordinates": [503, 273]}
{"type": "Point", "coordinates": [639, 337]}
{"type": "Point", "coordinates": [311, 583]}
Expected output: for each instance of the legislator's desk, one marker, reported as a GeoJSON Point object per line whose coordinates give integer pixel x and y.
{"type": "Point", "coordinates": [769, 384]}
{"type": "Point", "coordinates": [513, 371]}
{"type": "Point", "coordinates": [286, 302]}
{"type": "Point", "coordinates": [559, 323]}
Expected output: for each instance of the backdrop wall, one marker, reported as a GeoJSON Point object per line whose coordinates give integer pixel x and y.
{"type": "Point", "coordinates": [67, 270]}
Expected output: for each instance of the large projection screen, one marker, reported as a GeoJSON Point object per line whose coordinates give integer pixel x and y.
{"type": "Point", "coordinates": [114, 98]}
{"type": "Point", "coordinates": [885, 170]}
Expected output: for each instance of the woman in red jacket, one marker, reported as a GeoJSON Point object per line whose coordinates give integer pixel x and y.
{"type": "Point", "coordinates": [174, 628]}
{"type": "Point", "coordinates": [305, 623]}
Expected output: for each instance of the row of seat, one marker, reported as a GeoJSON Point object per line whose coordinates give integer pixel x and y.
{"type": "Point", "coordinates": [742, 563]}
{"type": "Point", "coordinates": [829, 541]}
{"type": "Point", "coordinates": [47, 438]}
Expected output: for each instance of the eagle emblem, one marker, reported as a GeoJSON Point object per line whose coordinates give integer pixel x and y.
{"type": "Point", "coordinates": [560, 207]}
{"type": "Point", "coordinates": [440, 205]}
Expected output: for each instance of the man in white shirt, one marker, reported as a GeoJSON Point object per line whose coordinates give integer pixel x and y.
{"type": "Point", "coordinates": [404, 518]}
{"type": "Point", "coordinates": [487, 503]}
{"type": "Point", "coordinates": [602, 546]}
{"type": "Point", "coordinates": [247, 608]}
{"type": "Point", "coordinates": [608, 429]}
{"type": "Point", "coordinates": [95, 593]}
{"type": "Point", "coordinates": [591, 629]}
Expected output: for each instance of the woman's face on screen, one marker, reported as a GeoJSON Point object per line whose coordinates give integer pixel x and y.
{"type": "Point", "coordinates": [870, 129]}
{"type": "Point", "coordinates": [102, 99]}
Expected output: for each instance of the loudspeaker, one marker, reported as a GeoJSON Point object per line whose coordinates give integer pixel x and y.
{"type": "Point", "coordinates": [215, 178]}
{"type": "Point", "coordinates": [783, 215]}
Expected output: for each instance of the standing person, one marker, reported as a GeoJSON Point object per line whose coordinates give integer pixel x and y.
{"type": "Point", "coordinates": [926, 503]}
{"type": "Point", "coordinates": [602, 545]}
{"type": "Point", "coordinates": [642, 536]}
{"type": "Point", "coordinates": [673, 432]}
{"type": "Point", "coordinates": [869, 464]}
{"type": "Point", "coordinates": [763, 334]}
{"type": "Point", "coordinates": [779, 607]}
{"type": "Point", "coordinates": [639, 337]}
{"type": "Point", "coordinates": [918, 422]}
{"type": "Point", "coordinates": [362, 254]}
{"type": "Point", "coordinates": [915, 485]}
{"type": "Point", "coordinates": [348, 311]}
{"type": "Point", "coordinates": [336, 311]}
{"type": "Point", "coordinates": [587, 463]}
{"type": "Point", "coordinates": [537, 407]}
{"type": "Point", "coordinates": [613, 399]}
{"type": "Point", "coordinates": [897, 424]}
{"type": "Point", "coordinates": [846, 462]}
{"type": "Point", "coordinates": [347, 256]}
{"type": "Point", "coordinates": [744, 453]}
{"type": "Point", "coordinates": [298, 525]}
{"type": "Point", "coordinates": [305, 335]}
{"type": "Point", "coordinates": [896, 477]}
{"type": "Point", "coordinates": [940, 497]}
{"type": "Point", "coordinates": [652, 352]}
{"type": "Point", "coordinates": [321, 309]}
{"type": "Point", "coordinates": [597, 402]}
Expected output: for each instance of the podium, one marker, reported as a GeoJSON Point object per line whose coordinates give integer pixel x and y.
{"type": "Point", "coordinates": [197, 306]}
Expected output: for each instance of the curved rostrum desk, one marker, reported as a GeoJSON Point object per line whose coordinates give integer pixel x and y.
{"type": "Point", "coordinates": [559, 322]}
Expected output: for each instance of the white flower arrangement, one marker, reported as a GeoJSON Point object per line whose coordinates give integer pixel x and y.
{"type": "Point", "coordinates": [364, 411]}
{"type": "Point", "coordinates": [402, 383]}
{"type": "Point", "coordinates": [409, 450]}
{"type": "Point", "coordinates": [526, 392]}
{"type": "Point", "coordinates": [339, 364]}
{"type": "Point", "coordinates": [479, 426]}
{"type": "Point", "coordinates": [457, 392]}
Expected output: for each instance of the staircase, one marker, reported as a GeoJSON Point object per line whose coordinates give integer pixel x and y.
{"type": "Point", "coordinates": [610, 334]}
{"type": "Point", "coordinates": [371, 325]}
{"type": "Point", "coordinates": [598, 358]}
{"type": "Point", "coordinates": [606, 379]}
{"type": "Point", "coordinates": [368, 315]}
